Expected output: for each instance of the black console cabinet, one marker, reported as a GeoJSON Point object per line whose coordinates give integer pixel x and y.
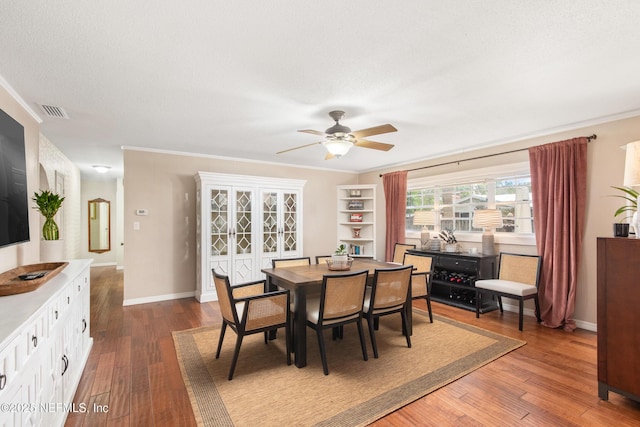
{"type": "Point", "coordinates": [455, 275]}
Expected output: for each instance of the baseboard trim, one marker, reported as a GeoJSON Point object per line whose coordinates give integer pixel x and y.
{"type": "Point", "coordinates": [593, 327]}
{"type": "Point", "coordinates": [103, 264]}
{"type": "Point", "coordinates": [158, 298]}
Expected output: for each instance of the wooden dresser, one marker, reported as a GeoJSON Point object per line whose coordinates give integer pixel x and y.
{"type": "Point", "coordinates": [619, 317]}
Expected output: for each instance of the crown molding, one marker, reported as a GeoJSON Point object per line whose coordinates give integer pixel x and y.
{"type": "Point", "coordinates": [6, 86]}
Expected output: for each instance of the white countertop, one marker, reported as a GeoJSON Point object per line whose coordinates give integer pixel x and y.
{"type": "Point", "coordinates": [16, 310]}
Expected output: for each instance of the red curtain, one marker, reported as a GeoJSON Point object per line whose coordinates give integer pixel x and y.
{"type": "Point", "coordinates": [559, 190]}
{"type": "Point", "coordinates": [395, 194]}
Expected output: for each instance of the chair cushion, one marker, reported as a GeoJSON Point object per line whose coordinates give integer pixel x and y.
{"type": "Point", "coordinates": [507, 287]}
{"type": "Point", "coordinates": [313, 313]}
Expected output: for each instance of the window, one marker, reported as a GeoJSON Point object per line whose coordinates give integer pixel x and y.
{"type": "Point", "coordinates": [513, 198]}
{"type": "Point", "coordinates": [455, 197]}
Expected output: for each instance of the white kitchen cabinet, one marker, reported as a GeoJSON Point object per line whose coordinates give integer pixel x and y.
{"type": "Point", "coordinates": [242, 223]}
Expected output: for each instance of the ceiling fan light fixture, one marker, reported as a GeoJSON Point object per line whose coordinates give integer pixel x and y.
{"type": "Point", "coordinates": [339, 139]}
{"type": "Point", "coordinates": [338, 129]}
{"type": "Point", "coordinates": [338, 147]}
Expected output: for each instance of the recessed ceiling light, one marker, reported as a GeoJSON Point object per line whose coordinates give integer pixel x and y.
{"type": "Point", "coordinates": [101, 169]}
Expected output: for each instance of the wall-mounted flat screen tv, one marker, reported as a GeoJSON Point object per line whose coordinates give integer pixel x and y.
{"type": "Point", "coordinates": [14, 204]}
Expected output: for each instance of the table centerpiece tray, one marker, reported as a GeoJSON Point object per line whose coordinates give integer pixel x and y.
{"type": "Point", "coordinates": [339, 265]}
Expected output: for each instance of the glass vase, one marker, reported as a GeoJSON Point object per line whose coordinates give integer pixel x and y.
{"type": "Point", "coordinates": [50, 230]}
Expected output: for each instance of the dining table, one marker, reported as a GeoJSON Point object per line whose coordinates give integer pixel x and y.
{"type": "Point", "coordinates": [305, 279]}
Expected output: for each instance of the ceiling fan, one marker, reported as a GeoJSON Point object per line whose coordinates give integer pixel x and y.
{"type": "Point", "coordinates": [339, 139]}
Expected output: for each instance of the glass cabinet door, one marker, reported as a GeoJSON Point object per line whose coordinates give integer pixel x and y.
{"type": "Point", "coordinates": [290, 222]}
{"type": "Point", "coordinates": [270, 223]}
{"type": "Point", "coordinates": [219, 222]}
{"type": "Point", "coordinates": [243, 223]}
{"type": "Point", "coordinates": [279, 224]}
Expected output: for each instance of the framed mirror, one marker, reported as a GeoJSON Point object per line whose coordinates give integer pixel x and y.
{"type": "Point", "coordinates": [99, 225]}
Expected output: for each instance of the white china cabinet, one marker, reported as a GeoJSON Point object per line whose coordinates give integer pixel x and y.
{"type": "Point", "coordinates": [243, 222]}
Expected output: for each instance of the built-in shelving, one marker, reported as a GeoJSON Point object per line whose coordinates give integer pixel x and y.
{"type": "Point", "coordinates": [357, 219]}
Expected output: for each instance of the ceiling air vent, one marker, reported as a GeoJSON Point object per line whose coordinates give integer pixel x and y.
{"type": "Point", "coordinates": [55, 112]}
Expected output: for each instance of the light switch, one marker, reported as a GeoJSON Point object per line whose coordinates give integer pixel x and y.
{"type": "Point", "coordinates": [136, 225]}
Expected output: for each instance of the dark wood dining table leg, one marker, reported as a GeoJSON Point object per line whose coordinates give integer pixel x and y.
{"type": "Point", "coordinates": [300, 327]}
{"type": "Point", "coordinates": [409, 313]}
{"type": "Point", "coordinates": [270, 288]}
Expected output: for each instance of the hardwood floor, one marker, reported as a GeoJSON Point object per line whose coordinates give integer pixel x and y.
{"type": "Point", "coordinates": [132, 377]}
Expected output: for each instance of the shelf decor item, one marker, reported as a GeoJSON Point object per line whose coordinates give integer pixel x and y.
{"type": "Point", "coordinates": [356, 232]}
{"type": "Point", "coordinates": [48, 204]}
{"type": "Point", "coordinates": [355, 217]}
{"type": "Point", "coordinates": [620, 229]}
{"type": "Point", "coordinates": [356, 205]}
{"type": "Point", "coordinates": [451, 243]}
{"type": "Point", "coordinates": [435, 244]}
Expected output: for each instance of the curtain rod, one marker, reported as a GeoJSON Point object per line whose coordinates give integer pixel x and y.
{"type": "Point", "coordinates": [589, 139]}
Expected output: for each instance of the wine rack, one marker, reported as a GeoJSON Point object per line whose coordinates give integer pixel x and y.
{"type": "Point", "coordinates": [455, 275]}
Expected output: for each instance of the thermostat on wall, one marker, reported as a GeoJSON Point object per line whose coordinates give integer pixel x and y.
{"type": "Point", "coordinates": [142, 212]}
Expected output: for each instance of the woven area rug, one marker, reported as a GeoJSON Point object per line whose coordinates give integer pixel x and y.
{"type": "Point", "coordinates": [267, 392]}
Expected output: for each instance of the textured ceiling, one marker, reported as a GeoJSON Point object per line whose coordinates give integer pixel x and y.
{"type": "Point", "coordinates": [238, 79]}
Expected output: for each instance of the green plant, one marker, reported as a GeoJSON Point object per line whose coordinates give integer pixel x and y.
{"type": "Point", "coordinates": [341, 250]}
{"type": "Point", "coordinates": [48, 204]}
{"type": "Point", "coordinates": [631, 196]}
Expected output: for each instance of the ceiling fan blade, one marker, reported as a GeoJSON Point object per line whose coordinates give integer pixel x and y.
{"type": "Point", "coordinates": [296, 148]}
{"type": "Point", "coordinates": [377, 130]}
{"type": "Point", "coordinates": [329, 156]}
{"type": "Point", "coordinates": [311, 131]}
{"type": "Point", "coordinates": [372, 144]}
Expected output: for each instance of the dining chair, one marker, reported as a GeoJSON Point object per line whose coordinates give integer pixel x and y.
{"type": "Point", "coordinates": [421, 277]}
{"type": "Point", "coordinates": [518, 278]}
{"type": "Point", "coordinates": [247, 309]}
{"type": "Point", "coordinates": [388, 294]}
{"type": "Point", "coordinates": [322, 259]}
{"type": "Point", "coordinates": [340, 302]}
{"type": "Point", "coordinates": [398, 252]}
{"type": "Point", "coordinates": [290, 262]}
